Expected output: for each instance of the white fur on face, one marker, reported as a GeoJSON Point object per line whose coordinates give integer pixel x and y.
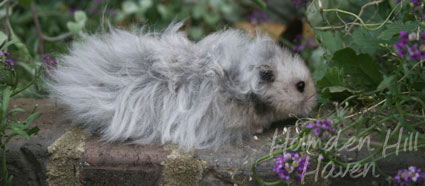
{"type": "Point", "coordinates": [161, 87]}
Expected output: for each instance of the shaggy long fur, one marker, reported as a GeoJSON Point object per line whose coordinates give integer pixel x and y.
{"type": "Point", "coordinates": [162, 87]}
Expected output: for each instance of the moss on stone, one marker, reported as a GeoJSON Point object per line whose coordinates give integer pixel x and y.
{"type": "Point", "coordinates": [65, 152]}
{"type": "Point", "coordinates": [182, 169]}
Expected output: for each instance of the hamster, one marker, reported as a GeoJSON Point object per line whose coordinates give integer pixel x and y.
{"type": "Point", "coordinates": [163, 88]}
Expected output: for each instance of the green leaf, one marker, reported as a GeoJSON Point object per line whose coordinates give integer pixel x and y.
{"type": "Point", "coordinates": [8, 44]}
{"type": "Point", "coordinates": [80, 17]}
{"type": "Point", "coordinates": [393, 29]}
{"type": "Point", "coordinates": [196, 32]}
{"type": "Point", "coordinates": [25, 3]}
{"type": "Point", "coordinates": [211, 18]}
{"type": "Point", "coordinates": [386, 82]}
{"type": "Point", "coordinates": [313, 16]}
{"type": "Point", "coordinates": [19, 129]}
{"type": "Point", "coordinates": [331, 41]}
{"type": "Point", "coordinates": [260, 3]}
{"type": "Point", "coordinates": [33, 130]}
{"type": "Point", "coordinates": [333, 77]}
{"type": "Point", "coordinates": [145, 4]}
{"type": "Point", "coordinates": [316, 19]}
{"type": "Point", "coordinates": [363, 70]}
{"type": "Point", "coordinates": [337, 93]}
{"type": "Point", "coordinates": [74, 28]}
{"type": "Point", "coordinates": [199, 10]}
{"type": "Point", "coordinates": [6, 98]}
{"type": "Point", "coordinates": [366, 41]}
{"type": "Point", "coordinates": [9, 179]}
{"type": "Point", "coordinates": [21, 46]}
{"type": "Point", "coordinates": [3, 37]}
{"type": "Point", "coordinates": [332, 17]}
{"type": "Point", "coordinates": [162, 10]}
{"type": "Point", "coordinates": [30, 119]}
{"type": "Point", "coordinates": [129, 7]}
{"type": "Point", "coordinates": [80, 20]}
{"type": "Point", "coordinates": [14, 110]}
{"type": "Point", "coordinates": [336, 89]}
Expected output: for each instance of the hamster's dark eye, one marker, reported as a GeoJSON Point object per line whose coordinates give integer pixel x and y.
{"type": "Point", "coordinates": [300, 86]}
{"type": "Point", "coordinates": [267, 76]}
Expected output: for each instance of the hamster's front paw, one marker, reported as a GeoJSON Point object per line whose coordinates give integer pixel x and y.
{"type": "Point", "coordinates": [258, 130]}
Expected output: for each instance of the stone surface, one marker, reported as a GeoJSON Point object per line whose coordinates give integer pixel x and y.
{"type": "Point", "coordinates": [77, 159]}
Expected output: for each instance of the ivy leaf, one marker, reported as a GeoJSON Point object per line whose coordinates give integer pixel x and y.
{"type": "Point", "coordinates": [316, 18]}
{"type": "Point", "coordinates": [333, 77]}
{"type": "Point", "coordinates": [366, 41]}
{"type": "Point", "coordinates": [332, 41]}
{"type": "Point", "coordinates": [337, 93]}
{"type": "Point", "coordinates": [318, 64]}
{"type": "Point", "coordinates": [393, 29]}
{"type": "Point", "coordinates": [362, 70]}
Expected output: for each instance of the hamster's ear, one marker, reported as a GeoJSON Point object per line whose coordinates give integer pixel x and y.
{"type": "Point", "coordinates": [266, 73]}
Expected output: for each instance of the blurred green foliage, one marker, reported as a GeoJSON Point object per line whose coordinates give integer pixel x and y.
{"type": "Point", "coordinates": [61, 21]}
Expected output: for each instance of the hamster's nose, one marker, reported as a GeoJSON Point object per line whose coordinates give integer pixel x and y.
{"type": "Point", "coordinates": [300, 86]}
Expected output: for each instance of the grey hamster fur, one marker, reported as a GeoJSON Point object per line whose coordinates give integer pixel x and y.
{"type": "Point", "coordinates": [163, 88]}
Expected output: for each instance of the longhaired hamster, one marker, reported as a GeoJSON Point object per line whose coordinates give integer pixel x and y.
{"type": "Point", "coordinates": [163, 88]}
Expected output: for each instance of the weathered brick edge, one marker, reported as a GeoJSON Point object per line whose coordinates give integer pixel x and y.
{"type": "Point", "coordinates": [77, 159]}
{"type": "Point", "coordinates": [118, 164]}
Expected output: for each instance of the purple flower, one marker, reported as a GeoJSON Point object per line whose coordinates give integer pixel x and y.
{"type": "Point", "coordinates": [322, 129]}
{"type": "Point", "coordinates": [409, 176]}
{"type": "Point", "coordinates": [416, 2]}
{"type": "Point", "coordinates": [317, 131]}
{"type": "Point", "coordinates": [8, 63]}
{"type": "Point", "coordinates": [414, 53]}
{"type": "Point", "coordinates": [310, 125]}
{"type": "Point", "coordinates": [300, 43]}
{"type": "Point", "coordinates": [291, 165]}
{"type": "Point", "coordinates": [258, 17]}
{"type": "Point", "coordinates": [49, 62]}
{"type": "Point", "coordinates": [408, 45]}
